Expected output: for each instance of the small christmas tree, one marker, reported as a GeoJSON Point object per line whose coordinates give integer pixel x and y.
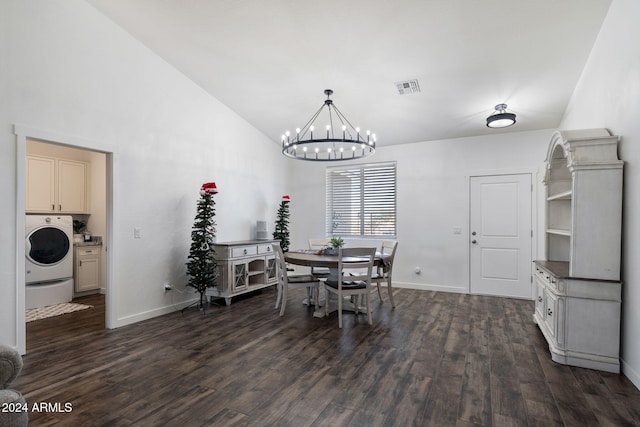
{"type": "Point", "coordinates": [281, 231]}
{"type": "Point", "coordinates": [201, 266]}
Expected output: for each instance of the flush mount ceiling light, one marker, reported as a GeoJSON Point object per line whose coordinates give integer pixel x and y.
{"type": "Point", "coordinates": [501, 119]}
{"type": "Point", "coordinates": [339, 140]}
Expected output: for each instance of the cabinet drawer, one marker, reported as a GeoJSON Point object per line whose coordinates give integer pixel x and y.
{"type": "Point", "coordinates": [265, 249]}
{"type": "Point", "coordinates": [549, 280]}
{"type": "Point", "coordinates": [88, 251]}
{"type": "Point", "coordinates": [241, 251]}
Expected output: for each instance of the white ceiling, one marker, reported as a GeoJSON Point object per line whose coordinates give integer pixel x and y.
{"type": "Point", "coordinates": [270, 60]}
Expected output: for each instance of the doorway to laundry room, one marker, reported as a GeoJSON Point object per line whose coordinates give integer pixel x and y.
{"type": "Point", "coordinates": [65, 186]}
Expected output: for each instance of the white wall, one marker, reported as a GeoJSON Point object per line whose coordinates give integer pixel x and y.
{"type": "Point", "coordinates": [432, 199]}
{"type": "Point", "coordinates": [66, 70]}
{"type": "Point", "coordinates": [608, 96]}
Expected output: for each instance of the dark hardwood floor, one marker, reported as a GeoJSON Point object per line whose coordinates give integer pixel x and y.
{"type": "Point", "coordinates": [438, 359]}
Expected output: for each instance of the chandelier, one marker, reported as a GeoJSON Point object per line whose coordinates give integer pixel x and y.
{"type": "Point", "coordinates": [339, 140]}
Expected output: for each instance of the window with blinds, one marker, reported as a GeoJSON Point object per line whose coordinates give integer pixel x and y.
{"type": "Point", "coordinates": [361, 200]}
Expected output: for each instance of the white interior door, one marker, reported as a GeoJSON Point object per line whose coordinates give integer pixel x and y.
{"type": "Point", "coordinates": [501, 235]}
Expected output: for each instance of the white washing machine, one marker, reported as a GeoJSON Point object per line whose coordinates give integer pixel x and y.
{"type": "Point", "coordinates": [49, 248]}
{"type": "Point", "coordinates": [49, 259]}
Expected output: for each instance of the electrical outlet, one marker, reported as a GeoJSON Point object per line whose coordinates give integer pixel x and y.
{"type": "Point", "coordinates": [167, 286]}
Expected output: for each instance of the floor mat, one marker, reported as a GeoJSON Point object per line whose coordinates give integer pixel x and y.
{"type": "Point", "coordinates": [54, 310]}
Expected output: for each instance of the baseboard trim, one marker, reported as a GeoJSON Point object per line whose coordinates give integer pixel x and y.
{"type": "Point", "coordinates": [429, 287]}
{"type": "Point", "coordinates": [150, 314]}
{"type": "Point", "coordinates": [630, 373]}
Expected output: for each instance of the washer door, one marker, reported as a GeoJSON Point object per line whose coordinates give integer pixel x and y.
{"type": "Point", "coordinates": [47, 246]}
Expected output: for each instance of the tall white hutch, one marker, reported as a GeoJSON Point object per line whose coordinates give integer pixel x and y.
{"type": "Point", "coordinates": [578, 288]}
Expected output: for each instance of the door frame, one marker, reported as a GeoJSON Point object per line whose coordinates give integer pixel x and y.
{"type": "Point", "coordinates": [22, 134]}
{"type": "Point", "coordinates": [535, 182]}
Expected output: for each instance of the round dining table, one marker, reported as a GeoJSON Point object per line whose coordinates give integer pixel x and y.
{"type": "Point", "coordinates": [311, 258]}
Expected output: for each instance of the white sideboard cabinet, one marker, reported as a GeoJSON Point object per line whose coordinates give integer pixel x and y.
{"type": "Point", "coordinates": [243, 266]}
{"type": "Point", "coordinates": [578, 288]}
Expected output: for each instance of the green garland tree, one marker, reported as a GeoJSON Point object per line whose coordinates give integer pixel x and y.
{"type": "Point", "coordinates": [201, 266]}
{"type": "Point", "coordinates": [281, 231]}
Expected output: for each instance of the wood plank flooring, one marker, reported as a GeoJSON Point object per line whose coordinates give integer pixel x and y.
{"type": "Point", "coordinates": [438, 359]}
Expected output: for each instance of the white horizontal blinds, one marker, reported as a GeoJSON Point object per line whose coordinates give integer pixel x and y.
{"type": "Point", "coordinates": [379, 208]}
{"type": "Point", "coordinates": [344, 201]}
{"type": "Point", "coordinates": [361, 200]}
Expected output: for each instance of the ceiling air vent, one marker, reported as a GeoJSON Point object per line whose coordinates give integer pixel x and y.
{"type": "Point", "coordinates": [407, 87]}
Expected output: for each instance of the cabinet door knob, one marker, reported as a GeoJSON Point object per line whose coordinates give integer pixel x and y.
{"type": "Point", "coordinates": [474, 242]}
{"type": "Point", "coordinates": [245, 251]}
{"type": "Point", "coordinates": [539, 299]}
{"type": "Point", "coordinates": [549, 312]}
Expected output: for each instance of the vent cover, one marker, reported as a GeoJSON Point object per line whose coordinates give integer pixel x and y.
{"type": "Point", "coordinates": [407, 87]}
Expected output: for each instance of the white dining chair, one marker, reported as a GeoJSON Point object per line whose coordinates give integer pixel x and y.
{"type": "Point", "coordinates": [384, 271]}
{"type": "Point", "coordinates": [286, 282]}
{"type": "Point", "coordinates": [353, 280]}
{"type": "Point", "coordinates": [316, 245]}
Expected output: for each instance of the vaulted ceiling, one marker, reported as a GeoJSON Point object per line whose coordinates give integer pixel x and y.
{"type": "Point", "coordinates": [270, 60]}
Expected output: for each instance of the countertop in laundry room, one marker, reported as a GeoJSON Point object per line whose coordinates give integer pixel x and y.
{"type": "Point", "coordinates": [95, 241]}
